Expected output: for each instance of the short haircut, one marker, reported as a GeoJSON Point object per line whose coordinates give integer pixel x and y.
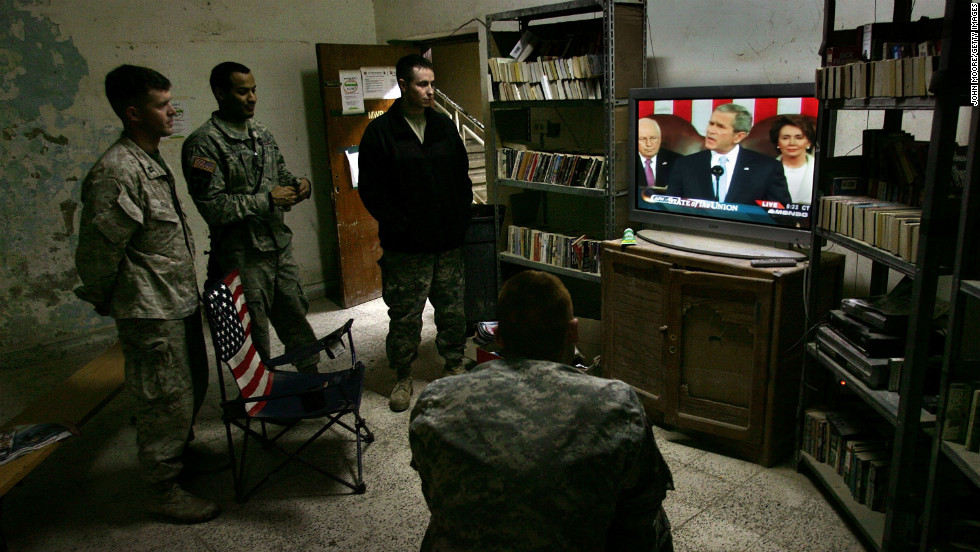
{"type": "Point", "coordinates": [799, 121]}
{"type": "Point", "coordinates": [221, 74]}
{"type": "Point", "coordinates": [533, 312]}
{"type": "Point", "coordinates": [743, 119]}
{"type": "Point", "coordinates": [405, 68]}
{"type": "Point", "coordinates": [130, 85]}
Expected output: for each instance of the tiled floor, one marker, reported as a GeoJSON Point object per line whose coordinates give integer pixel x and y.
{"type": "Point", "coordinates": [86, 497]}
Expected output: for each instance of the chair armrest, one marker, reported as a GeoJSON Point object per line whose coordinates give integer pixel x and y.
{"type": "Point", "coordinates": [328, 343]}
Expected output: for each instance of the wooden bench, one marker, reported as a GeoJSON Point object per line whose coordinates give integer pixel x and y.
{"type": "Point", "coordinates": [74, 400]}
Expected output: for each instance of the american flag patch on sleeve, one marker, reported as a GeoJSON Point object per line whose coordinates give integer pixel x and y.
{"type": "Point", "coordinates": [203, 164]}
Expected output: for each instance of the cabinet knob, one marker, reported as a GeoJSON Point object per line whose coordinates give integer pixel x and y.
{"type": "Point", "coordinates": [663, 329]}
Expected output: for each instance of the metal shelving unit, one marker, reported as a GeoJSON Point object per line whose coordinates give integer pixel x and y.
{"type": "Point", "coordinates": [602, 210]}
{"type": "Point", "coordinates": [905, 524]}
{"type": "Point", "coordinates": [959, 363]}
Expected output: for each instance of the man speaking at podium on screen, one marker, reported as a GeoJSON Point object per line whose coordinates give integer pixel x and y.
{"type": "Point", "coordinates": [726, 172]}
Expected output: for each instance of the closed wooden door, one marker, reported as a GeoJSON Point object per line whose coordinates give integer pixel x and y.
{"type": "Point", "coordinates": [718, 353]}
{"type": "Point", "coordinates": [356, 231]}
{"type": "Point", "coordinates": [634, 313]}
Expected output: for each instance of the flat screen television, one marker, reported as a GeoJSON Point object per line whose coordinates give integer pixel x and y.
{"type": "Point", "coordinates": [764, 198]}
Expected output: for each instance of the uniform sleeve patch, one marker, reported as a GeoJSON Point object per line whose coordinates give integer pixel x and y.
{"type": "Point", "coordinates": [203, 164]}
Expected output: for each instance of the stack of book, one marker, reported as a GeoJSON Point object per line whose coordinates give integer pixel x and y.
{"type": "Point", "coordinates": [578, 253]}
{"type": "Point", "coordinates": [837, 437]}
{"type": "Point", "coordinates": [565, 169]}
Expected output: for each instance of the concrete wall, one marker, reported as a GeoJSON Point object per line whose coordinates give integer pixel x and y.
{"type": "Point", "coordinates": [55, 122]}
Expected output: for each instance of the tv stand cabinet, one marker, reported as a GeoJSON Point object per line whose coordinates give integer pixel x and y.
{"type": "Point", "coordinates": [709, 343]}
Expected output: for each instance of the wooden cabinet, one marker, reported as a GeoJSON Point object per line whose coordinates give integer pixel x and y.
{"type": "Point", "coordinates": [710, 344]}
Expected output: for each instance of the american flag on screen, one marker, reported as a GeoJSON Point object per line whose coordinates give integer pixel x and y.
{"type": "Point", "coordinates": [698, 112]}
{"type": "Point", "coordinates": [232, 330]}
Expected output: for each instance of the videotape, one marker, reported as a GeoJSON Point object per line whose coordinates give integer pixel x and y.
{"type": "Point", "coordinates": [872, 371]}
{"type": "Point", "coordinates": [867, 339]}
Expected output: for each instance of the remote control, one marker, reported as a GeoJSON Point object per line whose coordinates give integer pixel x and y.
{"type": "Point", "coordinates": [771, 262]}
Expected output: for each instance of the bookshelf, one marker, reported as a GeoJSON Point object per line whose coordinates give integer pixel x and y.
{"type": "Point", "coordinates": [557, 132]}
{"type": "Point", "coordinates": [945, 494]}
{"type": "Point", "coordinates": [919, 485]}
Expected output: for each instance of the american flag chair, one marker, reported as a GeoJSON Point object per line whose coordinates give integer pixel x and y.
{"type": "Point", "coordinates": [282, 398]}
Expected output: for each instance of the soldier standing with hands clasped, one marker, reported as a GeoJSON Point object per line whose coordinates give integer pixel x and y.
{"type": "Point", "coordinates": [240, 184]}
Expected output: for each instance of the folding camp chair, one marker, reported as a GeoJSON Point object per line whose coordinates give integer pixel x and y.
{"type": "Point", "coordinates": [269, 396]}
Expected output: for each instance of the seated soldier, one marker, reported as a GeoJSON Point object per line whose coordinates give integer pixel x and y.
{"type": "Point", "coordinates": [528, 453]}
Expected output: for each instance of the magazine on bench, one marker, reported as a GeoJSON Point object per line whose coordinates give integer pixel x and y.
{"type": "Point", "coordinates": [20, 440]}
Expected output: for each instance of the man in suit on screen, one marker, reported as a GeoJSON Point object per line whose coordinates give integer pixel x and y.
{"type": "Point", "coordinates": [653, 163]}
{"type": "Point", "coordinates": [725, 171]}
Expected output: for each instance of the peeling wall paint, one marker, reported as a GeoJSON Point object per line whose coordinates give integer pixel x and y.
{"type": "Point", "coordinates": [45, 152]}
{"type": "Point", "coordinates": [55, 123]}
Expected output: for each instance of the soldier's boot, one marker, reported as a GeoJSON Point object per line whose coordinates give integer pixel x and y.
{"type": "Point", "coordinates": [167, 499]}
{"type": "Point", "coordinates": [454, 369]}
{"type": "Point", "coordinates": [401, 393]}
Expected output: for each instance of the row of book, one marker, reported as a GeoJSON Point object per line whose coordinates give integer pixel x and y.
{"type": "Point", "coordinates": [565, 169]}
{"type": "Point", "coordinates": [578, 253]}
{"type": "Point", "coordinates": [579, 67]}
{"type": "Point", "coordinates": [836, 437]}
{"type": "Point", "coordinates": [897, 78]}
{"type": "Point", "coordinates": [562, 89]}
{"type": "Point", "coordinates": [885, 40]}
{"type": "Point", "coordinates": [891, 226]}
{"type": "Point", "coordinates": [846, 54]}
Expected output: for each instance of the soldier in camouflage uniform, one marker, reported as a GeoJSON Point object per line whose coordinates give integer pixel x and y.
{"type": "Point", "coordinates": [135, 258]}
{"type": "Point", "coordinates": [239, 182]}
{"type": "Point", "coordinates": [527, 453]}
{"type": "Point", "coordinates": [414, 181]}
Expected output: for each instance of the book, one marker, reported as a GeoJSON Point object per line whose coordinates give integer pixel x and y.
{"type": "Point", "coordinates": [958, 400]}
{"type": "Point", "coordinates": [972, 439]}
{"type": "Point", "coordinates": [861, 476]}
{"type": "Point", "coordinates": [842, 426]}
{"type": "Point", "coordinates": [522, 50]}
{"type": "Point", "coordinates": [877, 486]}
{"type": "Point", "coordinates": [20, 440]}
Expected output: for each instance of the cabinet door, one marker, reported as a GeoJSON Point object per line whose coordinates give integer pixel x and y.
{"type": "Point", "coordinates": [717, 354]}
{"type": "Point", "coordinates": [634, 314]}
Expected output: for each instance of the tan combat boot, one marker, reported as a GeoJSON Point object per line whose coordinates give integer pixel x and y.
{"type": "Point", "coordinates": [169, 500]}
{"type": "Point", "coordinates": [401, 394]}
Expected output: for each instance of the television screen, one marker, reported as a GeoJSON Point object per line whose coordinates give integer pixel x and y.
{"type": "Point", "coordinates": [726, 160]}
